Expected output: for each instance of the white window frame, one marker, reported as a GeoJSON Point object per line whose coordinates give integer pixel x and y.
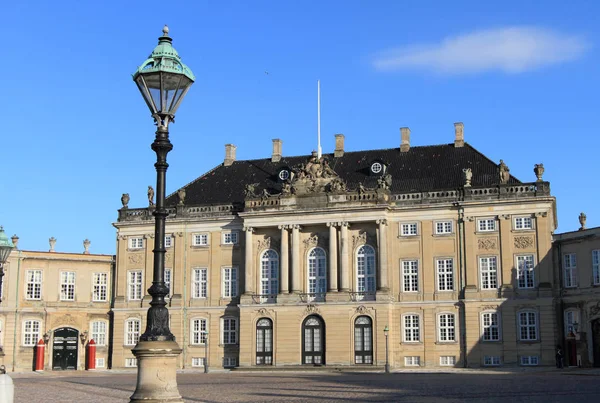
{"type": "Point", "coordinates": [31, 332]}
{"type": "Point", "coordinates": [168, 241]}
{"type": "Point", "coordinates": [100, 362]}
{"type": "Point", "coordinates": [488, 326]}
{"type": "Point", "coordinates": [570, 270]}
{"type": "Point", "coordinates": [229, 282]}
{"type": "Point", "coordinates": [412, 361]}
{"type": "Point", "coordinates": [135, 283]}
{"type": "Point", "coordinates": [528, 325]}
{"type": "Point", "coordinates": [98, 332]}
{"type": "Point", "coordinates": [488, 274]}
{"type": "Point", "coordinates": [169, 281]}
{"type": "Point", "coordinates": [228, 335]}
{"type": "Point", "coordinates": [411, 333]}
{"type": "Point", "coordinates": [596, 267]}
{"type": "Point", "coordinates": [483, 224]}
{"type": "Point", "coordinates": [571, 316]}
{"type": "Point", "coordinates": [229, 362]}
{"type": "Point", "coordinates": [230, 238]}
{"type": "Point", "coordinates": [269, 273]}
{"type": "Point", "coordinates": [491, 361]}
{"type": "Point", "coordinates": [366, 269]}
{"type": "Point", "coordinates": [198, 331]}
{"type": "Point", "coordinates": [198, 362]}
{"type": "Point", "coordinates": [131, 362]}
{"type": "Point", "coordinates": [132, 331]}
{"type": "Point", "coordinates": [446, 327]}
{"type": "Point", "coordinates": [67, 285]}
{"type": "Point", "coordinates": [409, 229]}
{"type": "Point", "coordinates": [444, 274]}
{"type": "Point", "coordinates": [33, 278]}
{"type": "Point", "coordinates": [410, 276]}
{"type": "Point", "coordinates": [445, 227]}
{"type": "Point", "coordinates": [523, 223]}
{"type": "Point", "coordinates": [199, 282]}
{"type": "Point", "coordinates": [447, 360]}
{"type": "Point", "coordinates": [200, 239]}
{"type": "Point", "coordinates": [525, 271]}
{"type": "Point", "coordinates": [100, 287]}
{"type": "Point", "coordinates": [317, 273]}
{"type": "Point", "coordinates": [136, 242]}
{"type": "Point", "coordinates": [529, 360]}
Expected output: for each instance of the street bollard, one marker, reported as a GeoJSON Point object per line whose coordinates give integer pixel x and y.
{"type": "Point", "coordinates": [7, 388]}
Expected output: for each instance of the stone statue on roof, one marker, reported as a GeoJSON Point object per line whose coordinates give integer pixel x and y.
{"type": "Point", "coordinates": [384, 182]}
{"type": "Point", "coordinates": [150, 196]}
{"type": "Point", "coordinates": [504, 172]}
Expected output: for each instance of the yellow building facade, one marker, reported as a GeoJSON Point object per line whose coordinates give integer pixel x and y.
{"type": "Point", "coordinates": [289, 261]}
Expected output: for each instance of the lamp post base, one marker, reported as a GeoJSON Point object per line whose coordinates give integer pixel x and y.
{"type": "Point", "coordinates": [157, 372]}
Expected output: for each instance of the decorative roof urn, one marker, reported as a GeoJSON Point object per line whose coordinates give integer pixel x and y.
{"type": "Point", "coordinates": [582, 220]}
{"type": "Point", "coordinates": [125, 200]}
{"type": "Point", "coordinates": [86, 246]}
{"type": "Point", "coordinates": [539, 171]}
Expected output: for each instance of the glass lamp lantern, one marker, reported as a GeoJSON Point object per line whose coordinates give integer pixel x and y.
{"type": "Point", "coordinates": [163, 80]}
{"type": "Point", "coordinates": [6, 246]}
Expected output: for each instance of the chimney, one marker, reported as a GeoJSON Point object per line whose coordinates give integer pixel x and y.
{"type": "Point", "coordinates": [404, 139]}
{"type": "Point", "coordinates": [15, 241]}
{"type": "Point", "coordinates": [339, 145]}
{"type": "Point", "coordinates": [276, 156]}
{"type": "Point", "coordinates": [459, 134]}
{"type": "Point", "coordinates": [229, 154]}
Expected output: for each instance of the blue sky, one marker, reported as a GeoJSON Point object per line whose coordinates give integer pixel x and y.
{"type": "Point", "coordinates": [521, 75]}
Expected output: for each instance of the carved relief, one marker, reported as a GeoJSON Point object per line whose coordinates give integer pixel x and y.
{"type": "Point", "coordinates": [63, 320]}
{"type": "Point", "coordinates": [487, 243]}
{"type": "Point", "coordinates": [595, 309]}
{"type": "Point", "coordinates": [169, 258]}
{"type": "Point", "coordinates": [264, 243]}
{"type": "Point", "coordinates": [523, 242]}
{"type": "Point", "coordinates": [136, 259]}
{"type": "Point", "coordinates": [362, 310]}
{"type": "Point", "coordinates": [311, 241]}
{"type": "Point", "coordinates": [362, 238]}
{"type": "Point", "coordinates": [263, 312]}
{"type": "Point", "coordinates": [489, 307]}
{"type": "Point", "coordinates": [311, 309]}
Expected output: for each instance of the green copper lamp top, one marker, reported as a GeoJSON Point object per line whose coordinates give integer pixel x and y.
{"type": "Point", "coordinates": [164, 58]}
{"type": "Point", "coordinates": [6, 246]}
{"type": "Point", "coordinates": [4, 240]}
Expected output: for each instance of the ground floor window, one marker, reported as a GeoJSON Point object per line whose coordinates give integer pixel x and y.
{"type": "Point", "coordinates": [363, 340]}
{"type": "Point", "coordinates": [264, 342]}
{"type": "Point", "coordinates": [313, 341]}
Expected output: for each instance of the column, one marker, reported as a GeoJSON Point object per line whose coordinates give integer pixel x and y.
{"type": "Point", "coordinates": [284, 283]}
{"type": "Point", "coordinates": [248, 266]}
{"type": "Point", "coordinates": [382, 278]}
{"type": "Point", "coordinates": [345, 280]}
{"type": "Point", "coordinates": [333, 264]}
{"type": "Point", "coordinates": [295, 258]}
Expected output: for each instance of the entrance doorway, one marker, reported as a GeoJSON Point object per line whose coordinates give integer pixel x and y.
{"type": "Point", "coordinates": [264, 342]}
{"type": "Point", "coordinates": [363, 340]}
{"type": "Point", "coordinates": [313, 341]}
{"type": "Point", "coordinates": [596, 341]}
{"type": "Point", "coordinates": [64, 348]}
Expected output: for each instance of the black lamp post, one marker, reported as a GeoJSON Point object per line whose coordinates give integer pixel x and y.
{"type": "Point", "coordinates": [386, 332]}
{"type": "Point", "coordinates": [6, 246]}
{"type": "Point", "coordinates": [163, 81]}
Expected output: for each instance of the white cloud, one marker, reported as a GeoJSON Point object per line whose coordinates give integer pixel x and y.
{"type": "Point", "coordinates": [511, 49]}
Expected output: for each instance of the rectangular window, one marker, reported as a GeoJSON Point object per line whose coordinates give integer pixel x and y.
{"type": "Point", "coordinates": [443, 227]}
{"type": "Point", "coordinates": [135, 285]}
{"type": "Point", "coordinates": [570, 269]}
{"type": "Point", "coordinates": [447, 360]}
{"type": "Point", "coordinates": [168, 241]}
{"type": "Point", "coordinates": [229, 331]}
{"type": "Point", "coordinates": [410, 275]}
{"type": "Point", "coordinates": [230, 238]}
{"type": "Point", "coordinates": [230, 282]}
{"type": "Point", "coordinates": [446, 330]}
{"type": "Point", "coordinates": [99, 332]}
{"type": "Point", "coordinates": [100, 287]}
{"type": "Point", "coordinates": [571, 318]}
{"type": "Point", "coordinates": [408, 229]}
{"type": "Point", "coordinates": [525, 274]}
{"type": "Point", "coordinates": [529, 360]}
{"type": "Point", "coordinates": [31, 332]}
{"type": "Point", "coordinates": [490, 326]}
{"type": "Point", "coordinates": [488, 268]}
{"type": "Point", "coordinates": [130, 362]}
{"type": "Point", "coordinates": [412, 331]}
{"type": "Point", "coordinates": [229, 362]}
{"type": "Point", "coordinates": [491, 360]}
{"type": "Point", "coordinates": [67, 286]}
{"type": "Point", "coordinates": [199, 283]}
{"type": "Point", "coordinates": [522, 223]}
{"type": "Point", "coordinates": [528, 326]}
{"type": "Point", "coordinates": [198, 331]}
{"type": "Point", "coordinates": [132, 332]}
{"type": "Point", "coordinates": [486, 225]}
{"type": "Point", "coordinates": [34, 284]}
{"type": "Point", "coordinates": [445, 274]}
{"type": "Point", "coordinates": [596, 266]}
{"type": "Point", "coordinates": [136, 243]}
{"type": "Point", "coordinates": [200, 240]}
{"type": "Point", "coordinates": [100, 363]}
{"type": "Point", "coordinates": [197, 361]}
{"type": "Point", "coordinates": [168, 273]}
{"type": "Point", "coordinates": [412, 361]}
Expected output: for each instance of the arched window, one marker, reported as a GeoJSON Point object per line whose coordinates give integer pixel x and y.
{"type": "Point", "coordinates": [264, 342]}
{"type": "Point", "coordinates": [365, 272]}
{"type": "Point", "coordinates": [317, 274]}
{"type": "Point", "coordinates": [363, 340]}
{"type": "Point", "coordinates": [269, 275]}
{"type": "Point", "coordinates": [313, 341]}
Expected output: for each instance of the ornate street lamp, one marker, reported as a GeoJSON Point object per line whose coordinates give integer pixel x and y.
{"type": "Point", "coordinates": [386, 332]}
{"type": "Point", "coordinates": [163, 81]}
{"type": "Point", "coordinates": [6, 246]}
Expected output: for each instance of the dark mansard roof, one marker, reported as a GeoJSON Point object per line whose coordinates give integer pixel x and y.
{"type": "Point", "coordinates": [421, 169]}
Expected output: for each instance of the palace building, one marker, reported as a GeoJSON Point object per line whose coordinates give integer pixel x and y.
{"type": "Point", "coordinates": [305, 260]}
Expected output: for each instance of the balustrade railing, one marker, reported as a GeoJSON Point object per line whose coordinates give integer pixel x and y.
{"type": "Point", "coordinates": [264, 298]}
{"type": "Point", "coordinates": [362, 296]}
{"type": "Point", "coordinates": [312, 297]}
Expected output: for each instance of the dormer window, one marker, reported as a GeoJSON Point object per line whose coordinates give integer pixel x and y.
{"type": "Point", "coordinates": [284, 174]}
{"type": "Point", "coordinates": [376, 168]}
